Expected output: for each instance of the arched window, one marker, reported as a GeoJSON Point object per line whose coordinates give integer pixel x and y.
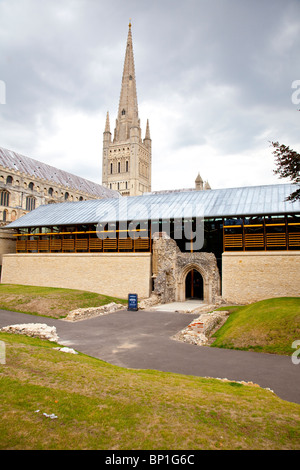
{"type": "Point", "coordinates": [119, 167]}
{"type": "Point", "coordinates": [127, 165]}
{"type": "Point", "coordinates": [66, 196]}
{"type": "Point", "coordinates": [111, 168]}
{"type": "Point", "coordinates": [31, 186]}
{"type": "Point", "coordinates": [9, 180]}
{"type": "Point", "coordinates": [30, 203]}
{"type": "Point", "coordinates": [4, 198]}
{"type": "Point", "coordinates": [123, 112]}
{"type": "Point", "coordinates": [50, 191]}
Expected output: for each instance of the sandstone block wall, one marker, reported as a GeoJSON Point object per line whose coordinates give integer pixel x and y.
{"type": "Point", "coordinates": [114, 274]}
{"type": "Point", "coordinates": [252, 276]}
{"type": "Point", "coordinates": [7, 242]}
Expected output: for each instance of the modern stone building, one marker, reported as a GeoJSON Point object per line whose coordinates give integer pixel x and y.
{"type": "Point", "coordinates": [242, 244]}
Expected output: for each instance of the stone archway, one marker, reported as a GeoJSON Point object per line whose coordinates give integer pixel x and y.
{"type": "Point", "coordinates": [194, 288]}
{"type": "Point", "coordinates": [206, 265]}
{"type": "Point", "coordinates": [171, 267]}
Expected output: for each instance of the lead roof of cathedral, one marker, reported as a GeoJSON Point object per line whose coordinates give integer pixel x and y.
{"type": "Point", "coordinates": [34, 168]}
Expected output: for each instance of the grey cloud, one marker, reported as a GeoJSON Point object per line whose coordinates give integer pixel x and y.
{"type": "Point", "coordinates": [225, 67]}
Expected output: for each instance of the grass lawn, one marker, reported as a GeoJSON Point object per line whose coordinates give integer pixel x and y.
{"type": "Point", "coordinates": [49, 301]}
{"type": "Point", "coordinates": [100, 406]}
{"type": "Point", "coordinates": [269, 326]}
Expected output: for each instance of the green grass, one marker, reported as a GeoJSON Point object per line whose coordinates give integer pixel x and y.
{"type": "Point", "coordinates": [100, 406]}
{"type": "Point", "coordinates": [268, 326]}
{"type": "Point", "coordinates": [49, 301]}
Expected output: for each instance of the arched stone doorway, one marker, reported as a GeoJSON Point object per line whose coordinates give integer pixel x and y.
{"type": "Point", "coordinates": [194, 269]}
{"type": "Point", "coordinates": [171, 268]}
{"type": "Point", "coordinates": [194, 285]}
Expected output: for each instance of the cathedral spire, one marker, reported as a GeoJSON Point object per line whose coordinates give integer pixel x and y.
{"type": "Point", "coordinates": [127, 161]}
{"type": "Point", "coordinates": [128, 105]}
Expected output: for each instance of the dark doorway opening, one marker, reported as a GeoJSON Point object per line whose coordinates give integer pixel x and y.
{"type": "Point", "coordinates": [194, 285]}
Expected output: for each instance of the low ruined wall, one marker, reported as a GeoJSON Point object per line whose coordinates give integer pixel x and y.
{"type": "Point", "coordinates": [252, 276]}
{"type": "Point", "coordinates": [114, 274]}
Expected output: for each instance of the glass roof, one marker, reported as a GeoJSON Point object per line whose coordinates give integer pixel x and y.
{"type": "Point", "coordinates": [251, 200]}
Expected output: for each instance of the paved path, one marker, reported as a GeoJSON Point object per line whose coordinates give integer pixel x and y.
{"type": "Point", "coordinates": [142, 340]}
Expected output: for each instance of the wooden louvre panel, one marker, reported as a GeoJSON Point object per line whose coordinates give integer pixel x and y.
{"type": "Point", "coordinates": [294, 239]}
{"type": "Point", "coordinates": [125, 244]}
{"type": "Point", "coordinates": [81, 244]}
{"type": "Point", "coordinates": [110, 244]}
{"type": "Point", "coordinates": [32, 245]}
{"type": "Point", "coordinates": [276, 239]}
{"type": "Point", "coordinates": [95, 244]}
{"type": "Point", "coordinates": [68, 244]}
{"type": "Point", "coordinates": [233, 241]}
{"type": "Point", "coordinates": [43, 245]}
{"type": "Point", "coordinates": [55, 245]}
{"type": "Point", "coordinates": [141, 244]}
{"type": "Point", "coordinates": [21, 245]}
{"type": "Point", "coordinates": [254, 240]}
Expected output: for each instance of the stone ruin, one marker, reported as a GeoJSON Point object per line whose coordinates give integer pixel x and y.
{"type": "Point", "coordinates": [170, 267]}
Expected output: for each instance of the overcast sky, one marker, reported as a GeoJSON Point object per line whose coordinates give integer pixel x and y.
{"type": "Point", "coordinates": [214, 78]}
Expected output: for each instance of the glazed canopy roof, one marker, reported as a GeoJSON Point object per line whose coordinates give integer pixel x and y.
{"type": "Point", "coordinates": [251, 200]}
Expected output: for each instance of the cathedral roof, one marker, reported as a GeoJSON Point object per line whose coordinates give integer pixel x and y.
{"type": "Point", "coordinates": [36, 169]}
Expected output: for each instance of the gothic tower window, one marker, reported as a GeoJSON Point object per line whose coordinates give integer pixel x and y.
{"type": "Point", "coordinates": [4, 199]}
{"type": "Point", "coordinates": [30, 186]}
{"type": "Point", "coordinates": [119, 167]}
{"type": "Point", "coordinates": [50, 191]}
{"type": "Point", "coordinates": [123, 112]}
{"type": "Point", "coordinates": [127, 165]}
{"type": "Point", "coordinates": [111, 168]}
{"type": "Point", "coordinates": [66, 196]}
{"type": "Point", "coordinates": [9, 180]}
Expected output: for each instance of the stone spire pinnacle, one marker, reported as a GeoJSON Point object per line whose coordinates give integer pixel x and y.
{"type": "Point", "coordinates": [107, 125]}
{"type": "Point", "coordinates": [147, 135]}
{"type": "Point", "coordinates": [128, 105]}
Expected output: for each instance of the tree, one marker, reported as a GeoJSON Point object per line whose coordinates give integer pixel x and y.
{"type": "Point", "coordinates": [288, 166]}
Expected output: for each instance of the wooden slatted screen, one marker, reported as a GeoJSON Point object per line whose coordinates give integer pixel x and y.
{"type": "Point", "coordinates": [125, 243]}
{"type": "Point", "coordinates": [95, 244]}
{"type": "Point", "coordinates": [254, 240]}
{"type": "Point", "coordinates": [233, 241]}
{"type": "Point", "coordinates": [81, 244]}
{"type": "Point", "coordinates": [276, 239]}
{"type": "Point", "coordinates": [294, 239]}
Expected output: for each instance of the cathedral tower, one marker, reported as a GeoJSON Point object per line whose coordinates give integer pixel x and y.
{"type": "Point", "coordinates": [126, 165]}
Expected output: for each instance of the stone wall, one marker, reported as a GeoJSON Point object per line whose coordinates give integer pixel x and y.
{"type": "Point", "coordinates": [7, 242]}
{"type": "Point", "coordinates": [171, 266]}
{"type": "Point", "coordinates": [113, 274]}
{"type": "Point", "coordinates": [251, 276]}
